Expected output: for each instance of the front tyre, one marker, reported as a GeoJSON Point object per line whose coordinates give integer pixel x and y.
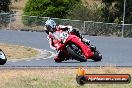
{"type": "Point", "coordinates": [97, 56]}
{"type": "Point", "coordinates": [3, 58]}
{"type": "Point", "coordinates": [76, 53]}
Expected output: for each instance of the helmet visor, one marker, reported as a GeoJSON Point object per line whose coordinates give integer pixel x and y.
{"type": "Point", "coordinates": [49, 29]}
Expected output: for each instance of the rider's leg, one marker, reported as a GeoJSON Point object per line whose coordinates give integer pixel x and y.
{"type": "Point", "coordinates": [80, 36]}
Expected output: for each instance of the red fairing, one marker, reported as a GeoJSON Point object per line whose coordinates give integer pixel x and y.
{"type": "Point", "coordinates": [72, 38]}
{"type": "Point", "coordinates": [86, 50]}
{"type": "Point", "coordinates": [58, 45]}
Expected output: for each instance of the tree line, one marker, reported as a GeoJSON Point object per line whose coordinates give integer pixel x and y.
{"type": "Point", "coordinates": [108, 11]}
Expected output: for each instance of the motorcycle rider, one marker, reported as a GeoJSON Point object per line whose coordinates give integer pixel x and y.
{"type": "Point", "coordinates": [51, 28]}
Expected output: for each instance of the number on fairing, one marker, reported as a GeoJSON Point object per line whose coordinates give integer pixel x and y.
{"type": "Point", "coordinates": [64, 35]}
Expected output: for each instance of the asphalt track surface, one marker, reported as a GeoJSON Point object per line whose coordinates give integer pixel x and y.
{"type": "Point", "coordinates": [116, 51]}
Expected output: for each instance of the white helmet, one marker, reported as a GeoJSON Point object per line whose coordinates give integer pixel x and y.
{"type": "Point", "coordinates": [50, 25]}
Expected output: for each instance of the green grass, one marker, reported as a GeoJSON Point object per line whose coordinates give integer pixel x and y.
{"type": "Point", "coordinates": [38, 82]}
{"type": "Point", "coordinates": [52, 78]}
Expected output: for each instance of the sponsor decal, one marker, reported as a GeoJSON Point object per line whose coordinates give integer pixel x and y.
{"type": "Point", "coordinates": [83, 78]}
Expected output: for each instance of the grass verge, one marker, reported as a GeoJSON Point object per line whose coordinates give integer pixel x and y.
{"type": "Point", "coordinates": [55, 78]}
{"type": "Point", "coordinates": [18, 52]}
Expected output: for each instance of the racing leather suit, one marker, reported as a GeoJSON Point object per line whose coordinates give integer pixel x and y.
{"type": "Point", "coordinates": [52, 36]}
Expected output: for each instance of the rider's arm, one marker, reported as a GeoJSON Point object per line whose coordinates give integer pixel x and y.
{"type": "Point", "coordinates": [50, 39]}
{"type": "Point", "coordinates": [51, 44]}
{"type": "Point", "coordinates": [63, 28]}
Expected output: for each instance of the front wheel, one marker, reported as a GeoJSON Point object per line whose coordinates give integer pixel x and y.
{"type": "Point", "coordinates": [97, 56]}
{"type": "Point", "coordinates": [76, 53]}
{"type": "Point", "coordinates": [3, 58]}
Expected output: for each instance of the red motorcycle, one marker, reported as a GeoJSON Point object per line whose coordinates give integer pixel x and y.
{"type": "Point", "coordinates": [70, 46]}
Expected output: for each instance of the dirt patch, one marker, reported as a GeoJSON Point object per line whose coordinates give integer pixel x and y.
{"type": "Point", "coordinates": [93, 1]}
{"type": "Point", "coordinates": [18, 52]}
{"type": "Point", "coordinates": [18, 4]}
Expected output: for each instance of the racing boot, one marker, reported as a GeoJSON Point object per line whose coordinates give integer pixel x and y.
{"type": "Point", "coordinates": [57, 59]}
{"type": "Point", "coordinates": [84, 40]}
{"type": "Point", "coordinates": [60, 56]}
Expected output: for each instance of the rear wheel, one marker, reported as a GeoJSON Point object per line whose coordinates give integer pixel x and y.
{"type": "Point", "coordinates": [76, 52]}
{"type": "Point", "coordinates": [97, 56]}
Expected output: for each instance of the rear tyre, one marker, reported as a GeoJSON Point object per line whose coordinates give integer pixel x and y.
{"type": "Point", "coordinates": [97, 56]}
{"type": "Point", "coordinates": [3, 58]}
{"type": "Point", "coordinates": [76, 53]}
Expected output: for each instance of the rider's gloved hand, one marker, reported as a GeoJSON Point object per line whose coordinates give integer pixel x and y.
{"type": "Point", "coordinates": [51, 43]}
{"type": "Point", "coordinates": [53, 48]}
